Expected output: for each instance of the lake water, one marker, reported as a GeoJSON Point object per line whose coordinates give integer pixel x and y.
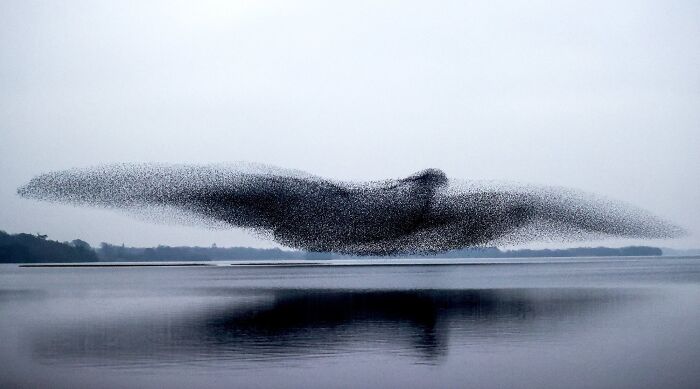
{"type": "Point", "coordinates": [575, 323]}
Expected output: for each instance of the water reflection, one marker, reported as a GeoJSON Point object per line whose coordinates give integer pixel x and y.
{"type": "Point", "coordinates": [285, 324]}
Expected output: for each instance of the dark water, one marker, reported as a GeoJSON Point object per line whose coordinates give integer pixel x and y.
{"type": "Point", "coordinates": [610, 323]}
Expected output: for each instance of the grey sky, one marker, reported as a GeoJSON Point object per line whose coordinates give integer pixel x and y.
{"type": "Point", "coordinates": [598, 95]}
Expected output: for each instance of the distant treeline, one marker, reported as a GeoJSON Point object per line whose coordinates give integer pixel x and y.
{"type": "Point", "coordinates": [22, 248]}
{"type": "Point", "coordinates": [37, 248]}
{"type": "Point", "coordinates": [630, 251]}
{"type": "Point", "coordinates": [113, 253]}
{"type": "Point", "coordinates": [108, 252]}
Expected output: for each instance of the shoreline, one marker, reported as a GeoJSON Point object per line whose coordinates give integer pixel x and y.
{"type": "Point", "coordinates": [356, 262]}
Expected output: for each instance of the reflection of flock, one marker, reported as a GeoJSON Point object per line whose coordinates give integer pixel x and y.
{"type": "Point", "coordinates": [324, 322]}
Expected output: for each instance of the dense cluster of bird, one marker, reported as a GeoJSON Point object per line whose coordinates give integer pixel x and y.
{"type": "Point", "coordinates": [423, 213]}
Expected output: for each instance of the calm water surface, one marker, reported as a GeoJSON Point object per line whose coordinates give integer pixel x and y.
{"type": "Point", "coordinates": [582, 323]}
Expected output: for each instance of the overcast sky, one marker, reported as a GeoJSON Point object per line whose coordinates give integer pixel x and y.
{"type": "Point", "coordinates": [602, 96]}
